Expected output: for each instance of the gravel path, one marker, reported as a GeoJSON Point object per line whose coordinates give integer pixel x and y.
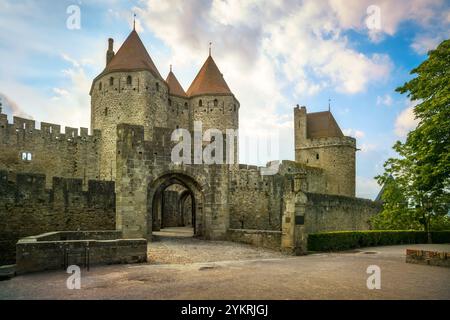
{"type": "Point", "coordinates": [168, 248]}
{"type": "Point", "coordinates": [317, 276]}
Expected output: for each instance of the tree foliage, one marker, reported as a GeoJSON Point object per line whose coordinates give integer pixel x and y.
{"type": "Point", "coordinates": [417, 183]}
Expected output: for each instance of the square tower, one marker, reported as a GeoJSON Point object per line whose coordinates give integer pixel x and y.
{"type": "Point", "coordinates": [319, 142]}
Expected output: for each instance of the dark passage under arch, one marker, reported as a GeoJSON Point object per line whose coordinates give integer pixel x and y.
{"type": "Point", "coordinates": [173, 203]}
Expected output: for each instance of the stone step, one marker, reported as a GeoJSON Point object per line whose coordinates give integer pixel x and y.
{"type": "Point", "coordinates": [7, 272]}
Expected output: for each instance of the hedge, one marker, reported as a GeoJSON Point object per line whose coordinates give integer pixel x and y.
{"type": "Point", "coordinates": [344, 240]}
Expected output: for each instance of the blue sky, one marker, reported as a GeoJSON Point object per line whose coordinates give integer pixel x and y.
{"type": "Point", "coordinates": [273, 54]}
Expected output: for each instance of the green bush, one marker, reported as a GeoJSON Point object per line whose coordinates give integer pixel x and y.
{"type": "Point", "coordinates": [440, 236]}
{"type": "Point", "coordinates": [345, 240]}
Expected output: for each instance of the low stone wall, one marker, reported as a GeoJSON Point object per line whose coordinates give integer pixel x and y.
{"type": "Point", "coordinates": [28, 208]}
{"type": "Point", "coordinates": [77, 235]}
{"type": "Point", "coordinates": [433, 258]}
{"type": "Point", "coordinates": [261, 238]}
{"type": "Point", "coordinates": [338, 213]}
{"type": "Point", "coordinates": [57, 250]}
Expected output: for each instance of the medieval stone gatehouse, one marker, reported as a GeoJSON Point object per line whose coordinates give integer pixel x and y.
{"type": "Point", "coordinates": [134, 112]}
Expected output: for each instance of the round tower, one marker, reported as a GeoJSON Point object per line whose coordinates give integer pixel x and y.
{"type": "Point", "coordinates": [179, 111]}
{"type": "Point", "coordinates": [129, 90]}
{"type": "Point", "coordinates": [319, 142]}
{"type": "Point", "coordinates": [212, 102]}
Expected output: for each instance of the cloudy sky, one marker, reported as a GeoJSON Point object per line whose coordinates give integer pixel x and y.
{"type": "Point", "coordinates": [274, 54]}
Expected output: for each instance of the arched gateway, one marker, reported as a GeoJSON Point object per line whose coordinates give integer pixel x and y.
{"type": "Point", "coordinates": [180, 207]}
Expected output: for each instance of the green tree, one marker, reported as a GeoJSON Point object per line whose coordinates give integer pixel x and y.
{"type": "Point", "coordinates": [417, 184]}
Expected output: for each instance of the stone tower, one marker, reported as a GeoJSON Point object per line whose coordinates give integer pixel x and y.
{"type": "Point", "coordinates": [319, 142]}
{"type": "Point", "coordinates": [129, 90]}
{"type": "Point", "coordinates": [179, 111]}
{"type": "Point", "coordinates": [213, 103]}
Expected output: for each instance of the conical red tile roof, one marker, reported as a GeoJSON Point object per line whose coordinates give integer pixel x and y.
{"type": "Point", "coordinates": [132, 56]}
{"type": "Point", "coordinates": [209, 80]}
{"type": "Point", "coordinates": [175, 87]}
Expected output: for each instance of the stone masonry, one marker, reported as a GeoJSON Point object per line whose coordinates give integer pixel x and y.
{"type": "Point", "coordinates": [123, 176]}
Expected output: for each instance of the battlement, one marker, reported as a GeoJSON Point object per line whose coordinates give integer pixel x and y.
{"type": "Point", "coordinates": [327, 142]}
{"type": "Point", "coordinates": [23, 188]}
{"type": "Point", "coordinates": [72, 154]}
{"type": "Point", "coordinates": [26, 128]}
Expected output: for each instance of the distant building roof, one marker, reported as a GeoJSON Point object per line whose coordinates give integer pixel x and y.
{"type": "Point", "coordinates": [322, 125]}
{"type": "Point", "coordinates": [209, 80]}
{"type": "Point", "coordinates": [175, 87]}
{"type": "Point", "coordinates": [132, 56]}
{"type": "Point", "coordinates": [383, 189]}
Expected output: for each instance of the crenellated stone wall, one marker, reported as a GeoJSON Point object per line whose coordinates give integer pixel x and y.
{"type": "Point", "coordinates": [73, 154]}
{"type": "Point", "coordinates": [28, 208]}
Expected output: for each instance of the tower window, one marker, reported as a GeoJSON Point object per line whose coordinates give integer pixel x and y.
{"type": "Point", "coordinates": [234, 108]}
{"type": "Point", "coordinates": [216, 102]}
{"type": "Point", "coordinates": [106, 111]}
{"type": "Point", "coordinates": [129, 80]}
{"type": "Point", "coordinates": [111, 81]}
{"type": "Point", "coordinates": [170, 102]}
{"type": "Point", "coordinates": [100, 86]}
{"type": "Point", "coordinates": [26, 156]}
{"type": "Point", "coordinates": [200, 103]}
{"type": "Point", "coordinates": [317, 156]}
{"type": "Point", "coordinates": [185, 105]}
{"type": "Point", "coordinates": [157, 86]}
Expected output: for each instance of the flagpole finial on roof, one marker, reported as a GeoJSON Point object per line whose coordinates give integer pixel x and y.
{"type": "Point", "coordinates": [134, 21]}
{"type": "Point", "coordinates": [210, 48]}
{"type": "Point", "coordinates": [170, 68]}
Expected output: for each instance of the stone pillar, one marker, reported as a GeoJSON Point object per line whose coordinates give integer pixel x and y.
{"type": "Point", "coordinates": [131, 184]}
{"type": "Point", "coordinates": [294, 238]}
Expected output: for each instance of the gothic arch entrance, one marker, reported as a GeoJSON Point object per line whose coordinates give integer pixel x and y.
{"type": "Point", "coordinates": [175, 200]}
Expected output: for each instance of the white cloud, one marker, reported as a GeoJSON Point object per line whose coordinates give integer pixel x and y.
{"type": "Point", "coordinates": [405, 122]}
{"type": "Point", "coordinates": [367, 187]}
{"type": "Point", "coordinates": [302, 42]}
{"type": "Point", "coordinates": [354, 133]}
{"type": "Point", "coordinates": [368, 147]}
{"type": "Point", "coordinates": [385, 100]}
{"type": "Point", "coordinates": [70, 105]}
{"type": "Point", "coordinates": [424, 43]}
{"type": "Point", "coordinates": [352, 14]}
{"type": "Point", "coordinates": [60, 92]}
{"type": "Point", "coordinates": [262, 47]}
{"type": "Point", "coordinates": [9, 106]}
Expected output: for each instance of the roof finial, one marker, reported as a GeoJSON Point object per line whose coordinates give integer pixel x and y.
{"type": "Point", "coordinates": [329, 105]}
{"type": "Point", "coordinates": [170, 68]}
{"type": "Point", "coordinates": [134, 21]}
{"type": "Point", "coordinates": [210, 46]}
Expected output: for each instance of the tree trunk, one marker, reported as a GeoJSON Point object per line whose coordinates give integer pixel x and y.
{"type": "Point", "coordinates": [428, 230]}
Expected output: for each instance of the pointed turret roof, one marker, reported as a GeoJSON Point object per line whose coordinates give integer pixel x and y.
{"type": "Point", "coordinates": [132, 56]}
{"type": "Point", "coordinates": [175, 87]}
{"type": "Point", "coordinates": [322, 125]}
{"type": "Point", "coordinates": [209, 80]}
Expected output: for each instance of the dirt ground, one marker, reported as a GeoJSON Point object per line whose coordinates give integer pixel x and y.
{"type": "Point", "coordinates": [181, 267]}
{"type": "Point", "coordinates": [176, 246]}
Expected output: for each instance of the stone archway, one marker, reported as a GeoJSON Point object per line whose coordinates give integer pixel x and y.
{"type": "Point", "coordinates": [156, 198]}
{"type": "Point", "coordinates": [187, 209]}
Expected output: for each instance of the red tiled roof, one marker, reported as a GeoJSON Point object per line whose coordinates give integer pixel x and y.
{"type": "Point", "coordinates": [209, 80]}
{"type": "Point", "coordinates": [322, 125]}
{"type": "Point", "coordinates": [175, 87]}
{"type": "Point", "coordinates": [132, 55]}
